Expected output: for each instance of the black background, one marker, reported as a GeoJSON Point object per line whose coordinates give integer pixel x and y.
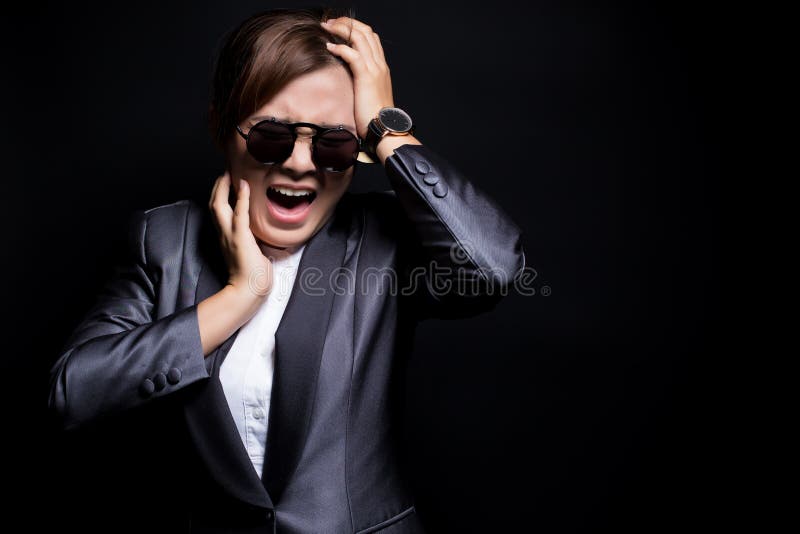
{"type": "Point", "coordinates": [593, 124]}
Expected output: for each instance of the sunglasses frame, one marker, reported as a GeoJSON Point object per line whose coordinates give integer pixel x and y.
{"type": "Point", "coordinates": [292, 127]}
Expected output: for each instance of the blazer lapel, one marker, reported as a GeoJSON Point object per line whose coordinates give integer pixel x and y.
{"type": "Point", "coordinates": [299, 341]}
{"type": "Point", "coordinates": [209, 420]}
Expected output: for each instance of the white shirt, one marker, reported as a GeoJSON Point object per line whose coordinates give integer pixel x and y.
{"type": "Point", "coordinates": [246, 373]}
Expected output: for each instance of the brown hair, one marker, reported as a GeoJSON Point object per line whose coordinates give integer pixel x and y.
{"type": "Point", "coordinates": [261, 56]}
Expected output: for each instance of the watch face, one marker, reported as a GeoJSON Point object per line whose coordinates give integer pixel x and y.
{"type": "Point", "coordinates": [395, 119]}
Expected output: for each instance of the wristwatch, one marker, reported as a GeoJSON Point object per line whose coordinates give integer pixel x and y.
{"type": "Point", "coordinates": [389, 121]}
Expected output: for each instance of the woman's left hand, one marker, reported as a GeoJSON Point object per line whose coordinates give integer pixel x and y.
{"type": "Point", "coordinates": [372, 82]}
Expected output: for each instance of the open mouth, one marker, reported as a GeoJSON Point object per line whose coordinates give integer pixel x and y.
{"type": "Point", "coordinates": [289, 206]}
{"type": "Point", "coordinates": [291, 200]}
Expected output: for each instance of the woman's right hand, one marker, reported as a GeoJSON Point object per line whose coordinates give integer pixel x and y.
{"type": "Point", "coordinates": [250, 271]}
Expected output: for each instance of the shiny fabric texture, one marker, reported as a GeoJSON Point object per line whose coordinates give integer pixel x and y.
{"type": "Point", "coordinates": [334, 462]}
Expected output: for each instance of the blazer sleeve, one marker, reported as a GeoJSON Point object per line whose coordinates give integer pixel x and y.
{"type": "Point", "coordinates": [460, 250]}
{"type": "Point", "coordinates": [118, 357]}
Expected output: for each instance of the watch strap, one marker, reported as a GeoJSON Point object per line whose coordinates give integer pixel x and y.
{"type": "Point", "coordinates": [375, 133]}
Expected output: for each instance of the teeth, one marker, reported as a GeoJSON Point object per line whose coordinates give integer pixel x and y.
{"type": "Point", "coordinates": [292, 192]}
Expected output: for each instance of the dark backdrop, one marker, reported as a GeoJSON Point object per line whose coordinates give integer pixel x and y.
{"type": "Point", "coordinates": [578, 409]}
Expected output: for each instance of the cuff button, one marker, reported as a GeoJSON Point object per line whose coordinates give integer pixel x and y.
{"type": "Point", "coordinates": [431, 178]}
{"type": "Point", "coordinates": [174, 375]}
{"type": "Point", "coordinates": [440, 190]}
{"type": "Point", "coordinates": [147, 387]}
{"type": "Point", "coordinates": [160, 380]}
{"type": "Point", "coordinates": [422, 167]}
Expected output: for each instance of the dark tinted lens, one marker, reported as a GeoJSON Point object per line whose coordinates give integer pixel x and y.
{"type": "Point", "coordinates": [336, 150]}
{"type": "Point", "coordinates": [270, 142]}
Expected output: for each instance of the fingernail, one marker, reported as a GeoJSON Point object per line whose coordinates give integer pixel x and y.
{"type": "Point", "coordinates": [329, 45]}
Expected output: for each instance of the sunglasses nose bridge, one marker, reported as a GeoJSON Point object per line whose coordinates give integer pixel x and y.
{"type": "Point", "coordinates": [308, 132]}
{"type": "Point", "coordinates": [304, 131]}
{"type": "Point", "coordinates": [296, 137]}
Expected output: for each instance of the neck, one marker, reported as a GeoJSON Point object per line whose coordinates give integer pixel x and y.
{"type": "Point", "coordinates": [273, 250]}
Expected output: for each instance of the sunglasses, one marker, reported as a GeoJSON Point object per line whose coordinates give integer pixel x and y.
{"type": "Point", "coordinates": [332, 149]}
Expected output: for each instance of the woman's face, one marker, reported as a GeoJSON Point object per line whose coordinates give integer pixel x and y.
{"type": "Point", "coordinates": [324, 97]}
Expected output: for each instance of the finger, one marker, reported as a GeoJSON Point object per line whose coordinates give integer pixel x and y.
{"type": "Point", "coordinates": [241, 214]}
{"type": "Point", "coordinates": [379, 48]}
{"type": "Point", "coordinates": [360, 39]}
{"type": "Point", "coordinates": [219, 201]}
{"type": "Point", "coordinates": [214, 192]}
{"type": "Point", "coordinates": [366, 28]}
{"type": "Point", "coordinates": [365, 34]}
{"type": "Point", "coordinates": [221, 186]}
{"type": "Point", "coordinates": [373, 41]}
{"type": "Point", "coordinates": [352, 56]}
{"type": "Point", "coordinates": [370, 37]}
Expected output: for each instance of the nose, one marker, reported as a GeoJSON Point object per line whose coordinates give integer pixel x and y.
{"type": "Point", "coordinates": [300, 160]}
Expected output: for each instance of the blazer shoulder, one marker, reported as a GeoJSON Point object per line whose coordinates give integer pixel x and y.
{"type": "Point", "coordinates": [172, 216]}
{"type": "Point", "coordinates": [165, 225]}
{"type": "Point", "coordinates": [165, 211]}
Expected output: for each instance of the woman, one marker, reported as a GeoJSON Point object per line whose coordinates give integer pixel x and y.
{"type": "Point", "coordinates": [267, 328]}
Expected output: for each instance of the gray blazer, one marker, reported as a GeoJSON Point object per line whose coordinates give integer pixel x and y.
{"type": "Point", "coordinates": [434, 246]}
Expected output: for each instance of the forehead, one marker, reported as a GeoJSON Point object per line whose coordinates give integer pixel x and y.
{"type": "Point", "coordinates": [323, 97]}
